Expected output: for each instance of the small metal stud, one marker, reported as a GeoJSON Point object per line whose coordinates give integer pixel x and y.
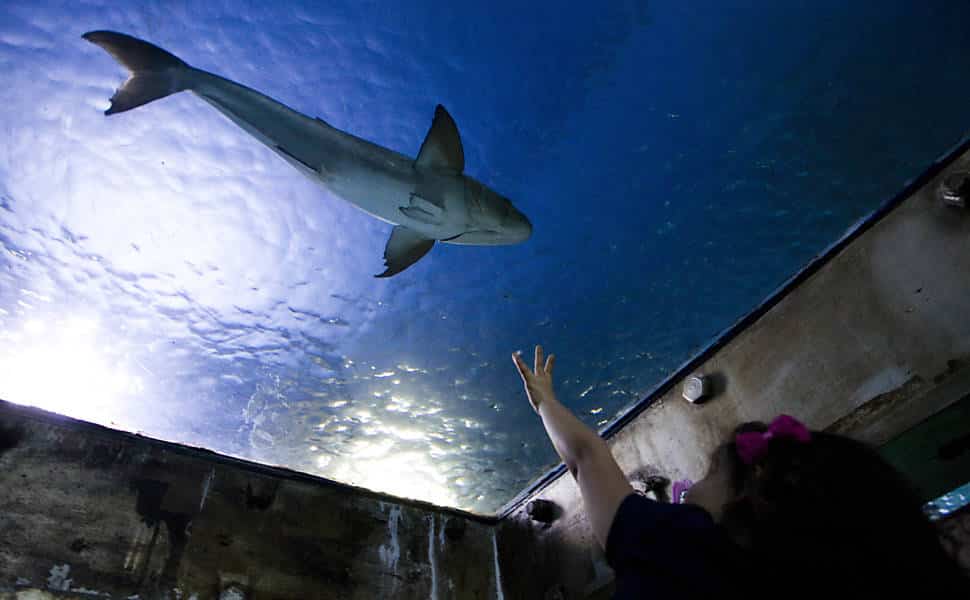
{"type": "Point", "coordinates": [955, 189]}
{"type": "Point", "coordinates": [696, 388]}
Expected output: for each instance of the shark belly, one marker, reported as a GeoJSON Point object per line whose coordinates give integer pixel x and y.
{"type": "Point", "coordinates": [389, 188]}
{"type": "Point", "coordinates": [376, 180]}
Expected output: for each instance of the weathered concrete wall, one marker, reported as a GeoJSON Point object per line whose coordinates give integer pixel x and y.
{"type": "Point", "coordinates": [83, 508]}
{"type": "Point", "coordinates": [869, 345]}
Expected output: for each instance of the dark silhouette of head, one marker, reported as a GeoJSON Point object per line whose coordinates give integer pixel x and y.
{"type": "Point", "coordinates": [827, 515]}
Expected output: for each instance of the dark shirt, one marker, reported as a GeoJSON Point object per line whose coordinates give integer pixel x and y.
{"type": "Point", "coordinates": [661, 550]}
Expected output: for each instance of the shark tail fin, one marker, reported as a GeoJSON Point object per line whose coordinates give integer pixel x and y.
{"type": "Point", "coordinates": [155, 73]}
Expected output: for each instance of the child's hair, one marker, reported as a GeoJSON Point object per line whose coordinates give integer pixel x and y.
{"type": "Point", "coordinates": [832, 512]}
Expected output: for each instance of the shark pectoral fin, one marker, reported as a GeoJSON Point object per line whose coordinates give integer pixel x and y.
{"type": "Point", "coordinates": [419, 215]}
{"type": "Point", "coordinates": [404, 248]}
{"type": "Point", "coordinates": [419, 201]}
{"type": "Point", "coordinates": [442, 146]}
{"type": "Point", "coordinates": [422, 210]}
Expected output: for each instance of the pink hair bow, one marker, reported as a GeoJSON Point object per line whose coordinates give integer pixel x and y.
{"type": "Point", "coordinates": [753, 445]}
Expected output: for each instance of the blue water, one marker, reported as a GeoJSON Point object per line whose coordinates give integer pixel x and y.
{"type": "Point", "coordinates": [948, 503]}
{"type": "Point", "coordinates": [163, 272]}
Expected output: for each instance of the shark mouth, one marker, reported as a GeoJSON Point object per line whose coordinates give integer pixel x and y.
{"type": "Point", "coordinates": [479, 237]}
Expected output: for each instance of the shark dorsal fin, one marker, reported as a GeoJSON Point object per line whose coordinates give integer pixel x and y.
{"type": "Point", "coordinates": [442, 146]}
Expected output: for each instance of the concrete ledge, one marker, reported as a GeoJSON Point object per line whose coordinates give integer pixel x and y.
{"type": "Point", "coordinates": [89, 510]}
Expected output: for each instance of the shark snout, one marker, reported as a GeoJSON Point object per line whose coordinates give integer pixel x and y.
{"type": "Point", "coordinates": [517, 226]}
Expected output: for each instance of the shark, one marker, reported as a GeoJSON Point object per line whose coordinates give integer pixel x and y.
{"type": "Point", "coordinates": [427, 199]}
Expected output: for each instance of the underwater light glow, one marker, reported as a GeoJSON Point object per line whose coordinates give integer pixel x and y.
{"type": "Point", "coordinates": [59, 366]}
{"type": "Point", "coordinates": [378, 466]}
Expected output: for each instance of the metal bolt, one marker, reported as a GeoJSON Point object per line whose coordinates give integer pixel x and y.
{"type": "Point", "coordinates": [653, 487]}
{"type": "Point", "coordinates": [955, 189]}
{"type": "Point", "coordinates": [542, 511]}
{"type": "Point", "coordinates": [696, 388]}
{"type": "Point", "coordinates": [656, 483]}
{"type": "Point", "coordinates": [233, 592]}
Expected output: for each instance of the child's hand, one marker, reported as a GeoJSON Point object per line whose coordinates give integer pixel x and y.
{"type": "Point", "coordinates": [538, 385]}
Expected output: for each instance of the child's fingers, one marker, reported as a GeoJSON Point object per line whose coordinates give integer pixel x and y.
{"type": "Point", "coordinates": [550, 363]}
{"type": "Point", "coordinates": [538, 366]}
{"type": "Point", "coordinates": [523, 370]}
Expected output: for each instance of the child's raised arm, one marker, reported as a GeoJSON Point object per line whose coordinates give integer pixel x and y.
{"type": "Point", "coordinates": [601, 482]}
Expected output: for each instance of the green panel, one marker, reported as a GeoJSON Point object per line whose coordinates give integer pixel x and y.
{"type": "Point", "coordinates": [935, 454]}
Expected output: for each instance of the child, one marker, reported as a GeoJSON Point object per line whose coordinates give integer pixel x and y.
{"type": "Point", "coordinates": [783, 511]}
